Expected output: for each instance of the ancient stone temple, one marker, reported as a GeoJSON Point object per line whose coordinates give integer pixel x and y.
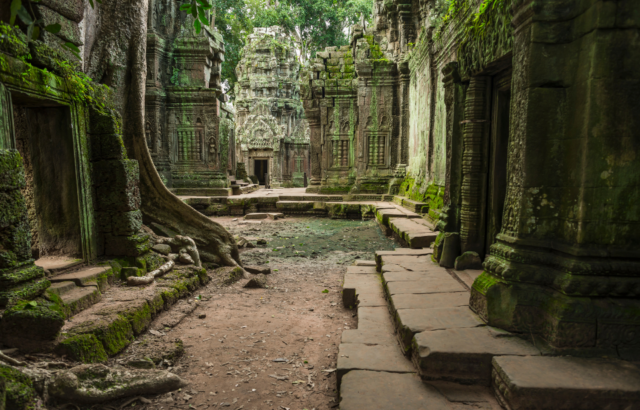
{"type": "Point", "coordinates": [272, 136]}
{"type": "Point", "coordinates": [182, 107]}
{"type": "Point", "coordinates": [511, 126]}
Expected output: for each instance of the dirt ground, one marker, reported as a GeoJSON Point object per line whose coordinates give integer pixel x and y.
{"type": "Point", "coordinates": [273, 348]}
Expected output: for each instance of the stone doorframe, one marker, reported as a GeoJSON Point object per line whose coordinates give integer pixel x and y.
{"type": "Point", "coordinates": [8, 93]}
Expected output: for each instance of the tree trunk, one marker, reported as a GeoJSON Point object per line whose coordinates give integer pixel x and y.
{"type": "Point", "coordinates": [118, 59]}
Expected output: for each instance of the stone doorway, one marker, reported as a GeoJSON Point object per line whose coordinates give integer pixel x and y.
{"type": "Point", "coordinates": [498, 152]}
{"type": "Point", "coordinates": [261, 167]}
{"type": "Point", "coordinates": [44, 138]}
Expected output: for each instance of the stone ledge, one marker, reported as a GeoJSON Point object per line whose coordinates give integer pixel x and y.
{"type": "Point", "coordinates": [565, 383]}
{"type": "Point", "coordinates": [464, 355]}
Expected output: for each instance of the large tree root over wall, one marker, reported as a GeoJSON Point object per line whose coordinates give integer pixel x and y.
{"type": "Point", "coordinates": [117, 58]}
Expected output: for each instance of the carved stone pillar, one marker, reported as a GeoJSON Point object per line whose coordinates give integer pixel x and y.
{"type": "Point", "coordinates": [316, 151]}
{"type": "Point", "coordinates": [403, 97]}
{"type": "Point", "coordinates": [566, 264]}
{"type": "Point", "coordinates": [474, 176]}
{"type": "Point", "coordinates": [454, 105]}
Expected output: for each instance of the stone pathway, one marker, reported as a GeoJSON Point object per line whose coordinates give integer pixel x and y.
{"type": "Point", "coordinates": [409, 307]}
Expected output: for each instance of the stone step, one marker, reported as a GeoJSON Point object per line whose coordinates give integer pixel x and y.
{"type": "Point", "coordinates": [464, 354]}
{"type": "Point", "coordinates": [80, 298]}
{"type": "Point", "coordinates": [423, 286]}
{"type": "Point", "coordinates": [416, 235]}
{"type": "Point", "coordinates": [58, 264]}
{"type": "Point", "coordinates": [565, 383]}
{"type": "Point", "coordinates": [60, 288]}
{"type": "Point", "coordinates": [409, 322]}
{"type": "Point", "coordinates": [365, 263]}
{"type": "Point", "coordinates": [362, 269]}
{"type": "Point", "coordinates": [428, 301]}
{"type": "Point", "coordinates": [383, 215]}
{"type": "Point", "coordinates": [426, 253]}
{"type": "Point", "coordinates": [101, 276]}
{"type": "Point", "coordinates": [362, 287]}
{"type": "Point", "coordinates": [410, 204]}
{"type": "Point", "coordinates": [373, 390]}
{"type": "Point", "coordinates": [377, 358]}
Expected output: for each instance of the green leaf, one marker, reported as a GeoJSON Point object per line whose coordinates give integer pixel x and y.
{"type": "Point", "coordinates": [197, 25]}
{"type": "Point", "coordinates": [325, 291]}
{"type": "Point", "coordinates": [186, 7]}
{"type": "Point", "coordinates": [91, 3]}
{"type": "Point", "coordinates": [33, 303]}
{"type": "Point", "coordinates": [72, 47]}
{"type": "Point", "coordinates": [15, 6]}
{"type": "Point", "coordinates": [194, 10]}
{"type": "Point", "coordinates": [202, 17]}
{"type": "Point", "coordinates": [25, 16]}
{"type": "Point", "coordinates": [36, 32]}
{"type": "Point", "coordinates": [53, 28]}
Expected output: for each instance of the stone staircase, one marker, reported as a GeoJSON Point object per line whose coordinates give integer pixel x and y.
{"type": "Point", "coordinates": [81, 288]}
{"type": "Point", "coordinates": [419, 346]}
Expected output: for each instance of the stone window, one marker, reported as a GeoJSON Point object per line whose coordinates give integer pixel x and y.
{"type": "Point", "coordinates": [341, 153]}
{"type": "Point", "coordinates": [190, 144]}
{"type": "Point", "coordinates": [376, 150]}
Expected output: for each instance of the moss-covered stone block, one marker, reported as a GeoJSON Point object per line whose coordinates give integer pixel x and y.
{"type": "Point", "coordinates": [83, 348]}
{"type": "Point", "coordinates": [12, 277]}
{"type": "Point", "coordinates": [117, 185]}
{"type": "Point", "coordinates": [126, 223]}
{"type": "Point", "coordinates": [133, 245]}
{"type": "Point", "coordinates": [156, 303]}
{"type": "Point", "coordinates": [169, 295]}
{"type": "Point", "coordinates": [137, 312]}
{"type": "Point", "coordinates": [32, 321]}
{"type": "Point", "coordinates": [113, 331]}
{"type": "Point", "coordinates": [15, 243]}
{"type": "Point", "coordinates": [101, 122]}
{"type": "Point", "coordinates": [11, 170]}
{"type": "Point", "coordinates": [24, 291]}
{"type": "Point", "coordinates": [20, 393]}
{"type": "Point", "coordinates": [13, 41]}
{"type": "Point", "coordinates": [112, 147]}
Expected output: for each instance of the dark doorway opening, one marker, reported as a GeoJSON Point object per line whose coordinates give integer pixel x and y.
{"type": "Point", "coordinates": [45, 141]}
{"type": "Point", "coordinates": [261, 167]}
{"type": "Point", "coordinates": [498, 152]}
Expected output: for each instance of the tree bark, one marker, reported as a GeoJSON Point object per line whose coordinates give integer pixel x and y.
{"type": "Point", "coordinates": [118, 59]}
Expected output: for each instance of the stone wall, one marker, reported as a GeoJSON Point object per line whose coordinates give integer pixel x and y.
{"type": "Point", "coordinates": [513, 121]}
{"type": "Point", "coordinates": [270, 121]}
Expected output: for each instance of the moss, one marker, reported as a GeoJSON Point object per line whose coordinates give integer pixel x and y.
{"type": "Point", "coordinates": [25, 291]}
{"type": "Point", "coordinates": [83, 348]}
{"type": "Point", "coordinates": [113, 331]}
{"type": "Point", "coordinates": [13, 41]}
{"type": "Point", "coordinates": [20, 393]}
{"type": "Point", "coordinates": [235, 275]}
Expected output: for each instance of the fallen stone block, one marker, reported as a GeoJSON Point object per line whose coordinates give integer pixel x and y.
{"type": "Point", "coordinates": [256, 270]}
{"type": "Point", "coordinates": [256, 216]}
{"type": "Point", "coordinates": [468, 260]}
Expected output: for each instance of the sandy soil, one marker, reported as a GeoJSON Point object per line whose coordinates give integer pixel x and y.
{"type": "Point", "coordinates": [272, 348]}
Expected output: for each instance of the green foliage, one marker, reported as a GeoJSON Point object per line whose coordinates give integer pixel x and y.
{"type": "Point", "coordinates": [312, 24]}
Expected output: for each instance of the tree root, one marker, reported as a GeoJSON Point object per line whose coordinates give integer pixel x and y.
{"type": "Point", "coordinates": [150, 277]}
{"type": "Point", "coordinates": [180, 242]}
{"type": "Point", "coordinates": [10, 360]}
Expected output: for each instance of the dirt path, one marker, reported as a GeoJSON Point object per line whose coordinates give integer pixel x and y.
{"type": "Point", "coordinates": [274, 348]}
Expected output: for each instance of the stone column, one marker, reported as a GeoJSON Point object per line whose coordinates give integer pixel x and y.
{"type": "Point", "coordinates": [454, 103]}
{"type": "Point", "coordinates": [566, 264]}
{"type": "Point", "coordinates": [474, 174]}
{"type": "Point", "coordinates": [316, 151]}
{"type": "Point", "coordinates": [403, 97]}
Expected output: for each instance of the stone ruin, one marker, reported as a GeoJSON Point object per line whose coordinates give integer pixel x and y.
{"type": "Point", "coordinates": [182, 102]}
{"type": "Point", "coordinates": [272, 135]}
